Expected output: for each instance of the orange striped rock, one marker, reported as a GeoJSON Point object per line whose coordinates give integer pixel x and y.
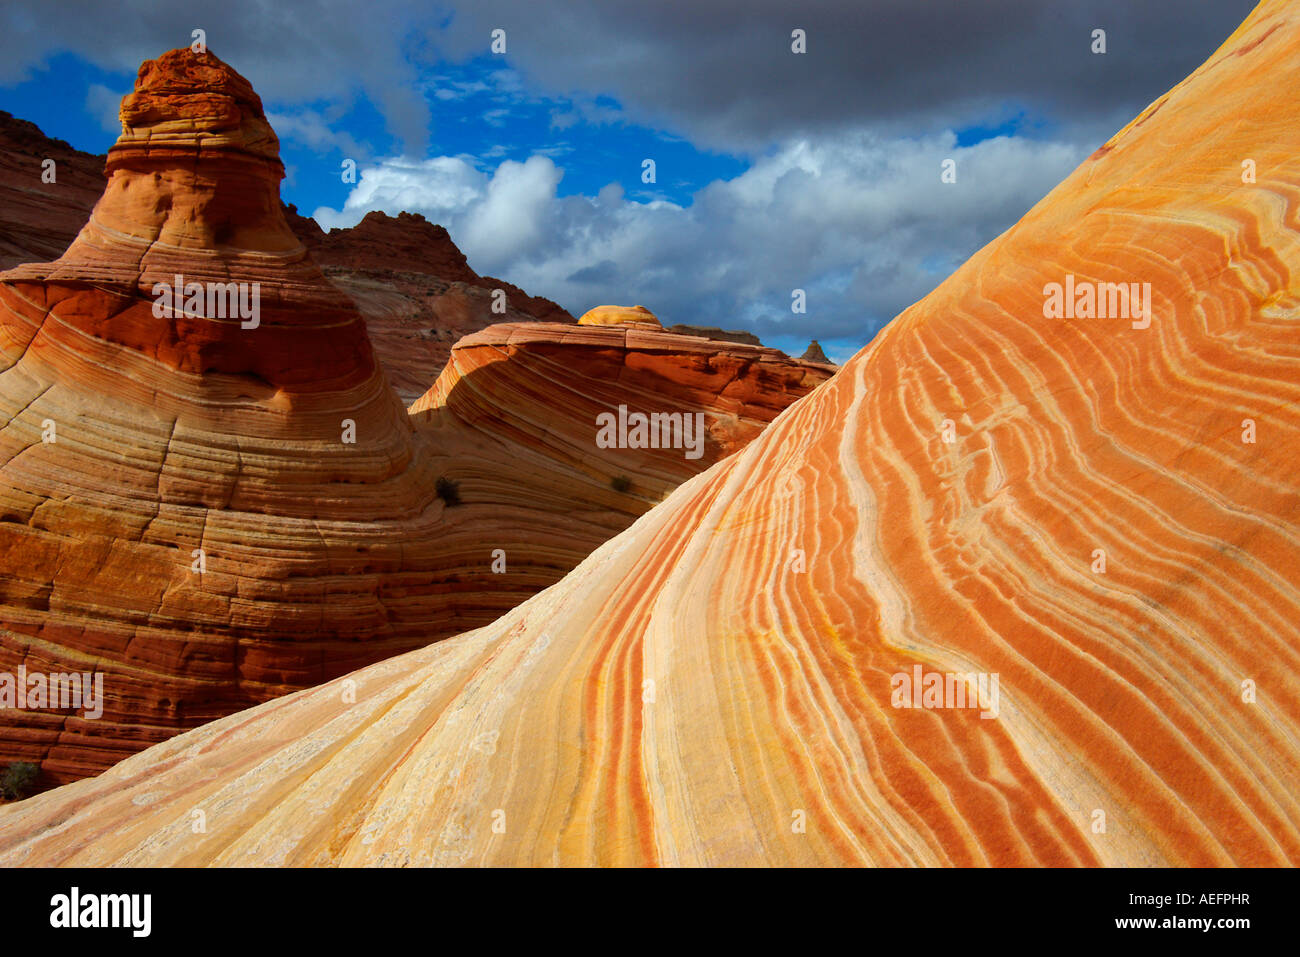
{"type": "Point", "coordinates": [1072, 505]}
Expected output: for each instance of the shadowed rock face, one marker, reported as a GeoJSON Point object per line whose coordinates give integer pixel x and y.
{"type": "Point", "coordinates": [723, 671]}
{"type": "Point", "coordinates": [208, 510]}
{"type": "Point", "coordinates": [38, 218]}
{"type": "Point", "coordinates": [713, 332]}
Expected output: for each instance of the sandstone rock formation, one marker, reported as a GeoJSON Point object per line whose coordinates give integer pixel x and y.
{"type": "Point", "coordinates": [618, 316]}
{"type": "Point", "coordinates": [207, 509]}
{"type": "Point", "coordinates": [182, 509]}
{"type": "Point", "coordinates": [716, 685]}
{"type": "Point", "coordinates": [544, 385]}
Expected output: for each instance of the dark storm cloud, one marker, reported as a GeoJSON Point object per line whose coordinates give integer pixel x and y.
{"type": "Point", "coordinates": [722, 71]}
{"type": "Point", "coordinates": [719, 71]}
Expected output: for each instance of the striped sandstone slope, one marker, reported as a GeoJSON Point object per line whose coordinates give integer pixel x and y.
{"type": "Point", "coordinates": [767, 734]}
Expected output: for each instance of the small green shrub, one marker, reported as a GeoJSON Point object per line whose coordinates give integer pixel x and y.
{"type": "Point", "coordinates": [17, 780]}
{"type": "Point", "coordinates": [448, 490]}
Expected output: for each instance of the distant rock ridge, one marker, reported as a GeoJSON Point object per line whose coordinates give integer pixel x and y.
{"type": "Point", "coordinates": [814, 353]}
{"type": "Point", "coordinates": [719, 335]}
{"type": "Point", "coordinates": [382, 244]}
{"type": "Point", "coordinates": [38, 218]}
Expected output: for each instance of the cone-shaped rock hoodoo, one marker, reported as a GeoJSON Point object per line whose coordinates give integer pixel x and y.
{"type": "Point", "coordinates": [209, 493]}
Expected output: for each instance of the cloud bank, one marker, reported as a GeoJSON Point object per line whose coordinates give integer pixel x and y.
{"type": "Point", "coordinates": [864, 225]}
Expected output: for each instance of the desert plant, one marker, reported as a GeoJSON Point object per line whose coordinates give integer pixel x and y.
{"type": "Point", "coordinates": [17, 780]}
{"type": "Point", "coordinates": [448, 490]}
{"type": "Point", "coordinates": [620, 483]}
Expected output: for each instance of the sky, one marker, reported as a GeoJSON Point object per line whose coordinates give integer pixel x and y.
{"type": "Point", "coordinates": [774, 170]}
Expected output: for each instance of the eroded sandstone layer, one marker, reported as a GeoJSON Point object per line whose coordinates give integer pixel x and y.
{"type": "Point", "coordinates": [207, 509]}
{"type": "Point", "coordinates": [717, 685]}
{"type": "Point", "coordinates": [545, 386]}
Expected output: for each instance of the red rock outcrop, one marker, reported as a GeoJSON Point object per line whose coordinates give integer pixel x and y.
{"type": "Point", "coordinates": [543, 383]}
{"type": "Point", "coordinates": [1100, 511]}
{"type": "Point", "coordinates": [515, 420]}
{"type": "Point", "coordinates": [139, 430]}
{"type": "Point", "coordinates": [814, 353]}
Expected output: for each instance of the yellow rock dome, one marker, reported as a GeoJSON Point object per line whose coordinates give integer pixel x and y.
{"type": "Point", "coordinates": [619, 315]}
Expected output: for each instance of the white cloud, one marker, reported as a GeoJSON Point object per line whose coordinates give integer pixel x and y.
{"type": "Point", "coordinates": [459, 89]}
{"type": "Point", "coordinates": [103, 104]}
{"type": "Point", "coordinates": [863, 224]}
{"type": "Point", "coordinates": [508, 222]}
{"type": "Point", "coordinates": [311, 129]}
{"type": "Point", "coordinates": [442, 188]}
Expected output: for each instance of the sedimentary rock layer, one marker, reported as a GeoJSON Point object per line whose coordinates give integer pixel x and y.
{"type": "Point", "coordinates": [516, 422]}
{"type": "Point", "coordinates": [204, 508]}
{"type": "Point", "coordinates": [1099, 511]}
{"type": "Point", "coordinates": [553, 381]}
